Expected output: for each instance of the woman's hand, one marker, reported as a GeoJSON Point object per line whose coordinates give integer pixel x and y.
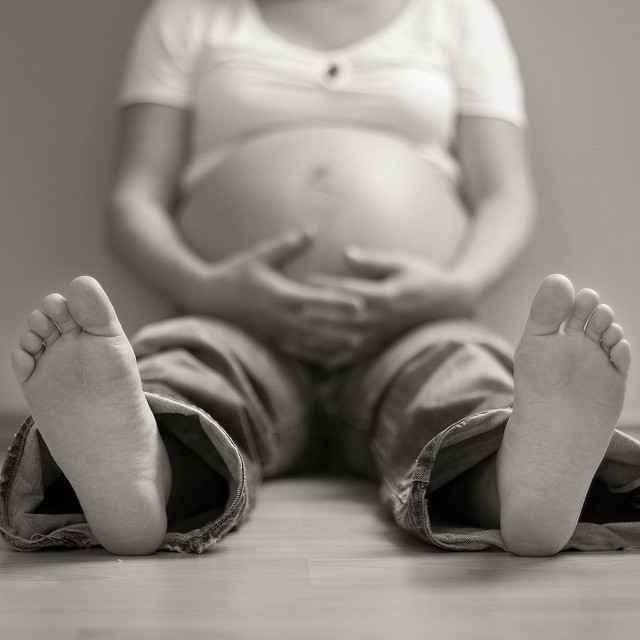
{"type": "Point", "coordinates": [400, 292]}
{"type": "Point", "coordinates": [311, 323]}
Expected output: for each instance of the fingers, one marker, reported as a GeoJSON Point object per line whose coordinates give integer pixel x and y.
{"type": "Point", "coordinates": [300, 297]}
{"type": "Point", "coordinates": [316, 317]}
{"type": "Point", "coordinates": [371, 290]}
{"type": "Point", "coordinates": [283, 249]}
{"type": "Point", "coordinates": [373, 264]}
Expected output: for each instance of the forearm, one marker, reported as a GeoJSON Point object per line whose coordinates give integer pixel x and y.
{"type": "Point", "coordinates": [500, 228]}
{"type": "Point", "coordinates": [142, 234]}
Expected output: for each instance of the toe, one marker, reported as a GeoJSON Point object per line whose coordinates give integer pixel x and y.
{"type": "Point", "coordinates": [612, 336]}
{"type": "Point", "coordinates": [42, 326]}
{"type": "Point", "coordinates": [23, 364]}
{"type": "Point", "coordinates": [599, 321]}
{"type": "Point", "coordinates": [91, 308]}
{"type": "Point", "coordinates": [585, 303]}
{"type": "Point", "coordinates": [552, 304]}
{"type": "Point", "coordinates": [621, 356]}
{"type": "Point", "coordinates": [31, 342]}
{"type": "Point", "coordinates": [55, 307]}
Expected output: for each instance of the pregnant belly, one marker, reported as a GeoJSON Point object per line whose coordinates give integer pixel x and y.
{"type": "Point", "coordinates": [352, 186]}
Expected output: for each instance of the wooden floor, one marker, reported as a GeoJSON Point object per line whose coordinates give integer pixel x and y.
{"type": "Point", "coordinates": [318, 559]}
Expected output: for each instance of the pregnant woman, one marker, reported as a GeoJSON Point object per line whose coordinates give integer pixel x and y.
{"type": "Point", "coordinates": [324, 190]}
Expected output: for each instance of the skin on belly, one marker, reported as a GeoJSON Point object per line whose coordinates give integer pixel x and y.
{"type": "Point", "coordinates": [354, 186]}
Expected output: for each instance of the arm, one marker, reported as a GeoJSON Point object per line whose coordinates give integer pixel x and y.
{"type": "Point", "coordinates": [246, 289]}
{"type": "Point", "coordinates": [150, 153]}
{"type": "Point", "coordinates": [497, 187]}
{"type": "Point", "coordinates": [402, 291]}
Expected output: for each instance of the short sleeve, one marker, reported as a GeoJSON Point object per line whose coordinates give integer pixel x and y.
{"type": "Point", "coordinates": [162, 57]}
{"type": "Point", "coordinates": [487, 72]}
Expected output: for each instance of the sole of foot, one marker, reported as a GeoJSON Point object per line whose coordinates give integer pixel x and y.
{"type": "Point", "coordinates": [79, 377]}
{"type": "Point", "coordinates": [570, 376]}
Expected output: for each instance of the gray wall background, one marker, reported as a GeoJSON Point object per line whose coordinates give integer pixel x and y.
{"type": "Point", "coordinates": [60, 65]}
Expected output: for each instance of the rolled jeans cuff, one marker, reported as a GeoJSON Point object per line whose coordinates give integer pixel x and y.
{"type": "Point", "coordinates": [471, 440]}
{"type": "Point", "coordinates": [29, 470]}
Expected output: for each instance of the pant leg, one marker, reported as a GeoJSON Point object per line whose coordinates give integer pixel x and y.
{"type": "Point", "coordinates": [230, 412]}
{"type": "Point", "coordinates": [433, 406]}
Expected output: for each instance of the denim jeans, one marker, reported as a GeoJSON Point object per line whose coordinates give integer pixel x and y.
{"type": "Point", "coordinates": [233, 412]}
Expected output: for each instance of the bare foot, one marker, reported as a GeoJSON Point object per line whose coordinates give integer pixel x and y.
{"type": "Point", "coordinates": [569, 392]}
{"type": "Point", "coordinates": [85, 394]}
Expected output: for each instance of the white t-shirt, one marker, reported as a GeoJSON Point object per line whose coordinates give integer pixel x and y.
{"type": "Point", "coordinates": [435, 60]}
